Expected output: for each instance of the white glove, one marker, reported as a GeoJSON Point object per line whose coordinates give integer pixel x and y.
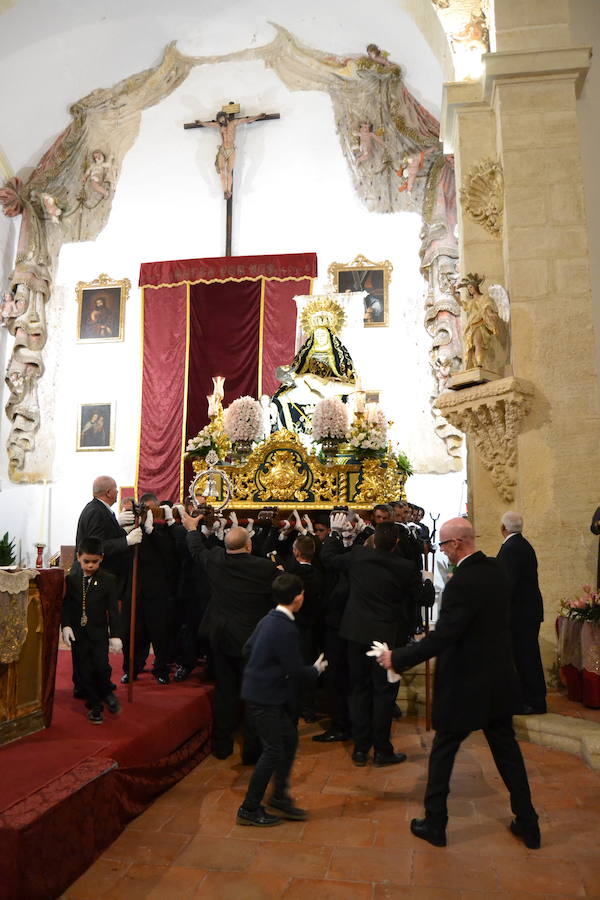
{"type": "Point", "coordinates": [377, 648]}
{"type": "Point", "coordinates": [250, 528]}
{"type": "Point", "coordinates": [360, 524]}
{"type": "Point", "coordinates": [348, 538]}
{"type": "Point", "coordinates": [180, 509]}
{"type": "Point", "coordinates": [309, 526]}
{"type": "Point", "coordinates": [219, 528]}
{"type": "Point", "coordinates": [285, 530]}
{"type": "Point", "coordinates": [234, 518]}
{"type": "Point", "coordinates": [337, 521]}
{"type": "Point", "coordinates": [67, 635]}
{"type": "Point", "coordinates": [149, 522]}
{"type": "Point", "coordinates": [115, 645]}
{"type": "Point", "coordinates": [125, 517]}
{"type": "Point", "coordinates": [298, 526]}
{"type": "Point", "coordinates": [134, 537]}
{"type": "Point", "coordinates": [168, 513]}
{"type": "Point", "coordinates": [320, 664]}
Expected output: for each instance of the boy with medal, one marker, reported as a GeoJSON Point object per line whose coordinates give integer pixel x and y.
{"type": "Point", "coordinates": [90, 613]}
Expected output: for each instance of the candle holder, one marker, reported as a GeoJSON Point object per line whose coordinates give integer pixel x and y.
{"type": "Point", "coordinates": [39, 562]}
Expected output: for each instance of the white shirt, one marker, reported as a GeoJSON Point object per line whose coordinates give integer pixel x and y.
{"type": "Point", "coordinates": [286, 610]}
{"type": "Point", "coordinates": [508, 536]}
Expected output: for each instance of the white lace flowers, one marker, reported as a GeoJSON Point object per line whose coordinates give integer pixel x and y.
{"type": "Point", "coordinates": [330, 420]}
{"type": "Point", "coordinates": [369, 432]}
{"type": "Point", "coordinates": [243, 420]}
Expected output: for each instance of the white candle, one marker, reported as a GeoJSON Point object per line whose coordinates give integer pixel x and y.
{"type": "Point", "coordinates": [43, 519]}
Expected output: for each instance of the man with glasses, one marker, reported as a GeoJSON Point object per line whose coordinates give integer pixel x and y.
{"type": "Point", "coordinates": [476, 685]}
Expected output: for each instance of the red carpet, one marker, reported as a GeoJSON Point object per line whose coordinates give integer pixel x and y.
{"type": "Point", "coordinates": [68, 791]}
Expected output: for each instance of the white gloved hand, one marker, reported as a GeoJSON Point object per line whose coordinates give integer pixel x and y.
{"type": "Point", "coordinates": [149, 522]}
{"type": "Point", "coordinates": [298, 522]}
{"type": "Point", "coordinates": [234, 518]}
{"type": "Point", "coordinates": [125, 517]}
{"type": "Point", "coordinates": [115, 645]}
{"type": "Point", "coordinates": [134, 537]}
{"type": "Point", "coordinates": [377, 648]}
{"type": "Point", "coordinates": [180, 509]}
{"type": "Point", "coordinates": [337, 521]}
{"type": "Point", "coordinates": [168, 513]}
{"type": "Point", "coordinates": [360, 524]}
{"type": "Point", "coordinates": [309, 525]}
{"type": "Point", "coordinates": [250, 528]}
{"type": "Point", "coordinates": [284, 530]}
{"type": "Point", "coordinates": [320, 664]}
{"type": "Point", "coordinates": [219, 528]}
{"type": "Point", "coordinates": [67, 635]}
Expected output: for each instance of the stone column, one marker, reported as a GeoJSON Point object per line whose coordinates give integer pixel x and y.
{"type": "Point", "coordinates": [527, 98]}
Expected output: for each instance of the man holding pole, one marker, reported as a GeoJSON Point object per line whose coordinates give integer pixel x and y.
{"type": "Point", "coordinates": [476, 685]}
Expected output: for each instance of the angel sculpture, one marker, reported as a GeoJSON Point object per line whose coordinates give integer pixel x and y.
{"type": "Point", "coordinates": [486, 330]}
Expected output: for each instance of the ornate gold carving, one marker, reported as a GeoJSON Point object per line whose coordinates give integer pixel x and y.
{"type": "Point", "coordinates": [482, 195]}
{"type": "Point", "coordinates": [490, 414]}
{"type": "Point", "coordinates": [13, 624]}
{"type": "Point", "coordinates": [359, 270]}
{"type": "Point", "coordinates": [322, 311]}
{"type": "Point", "coordinates": [284, 476]}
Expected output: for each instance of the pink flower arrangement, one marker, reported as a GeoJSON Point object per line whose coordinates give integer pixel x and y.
{"type": "Point", "coordinates": [585, 608]}
{"type": "Point", "coordinates": [243, 420]}
{"type": "Point", "coordinates": [330, 420]}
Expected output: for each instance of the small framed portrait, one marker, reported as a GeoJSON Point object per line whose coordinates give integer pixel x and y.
{"type": "Point", "coordinates": [364, 275]}
{"type": "Point", "coordinates": [96, 426]}
{"type": "Point", "coordinates": [101, 314]}
{"type": "Point", "coordinates": [372, 396]}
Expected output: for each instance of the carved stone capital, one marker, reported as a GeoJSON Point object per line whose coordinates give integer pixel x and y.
{"type": "Point", "coordinates": [490, 414]}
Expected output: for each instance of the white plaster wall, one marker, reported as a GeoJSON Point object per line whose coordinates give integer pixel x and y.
{"type": "Point", "coordinates": [293, 194]}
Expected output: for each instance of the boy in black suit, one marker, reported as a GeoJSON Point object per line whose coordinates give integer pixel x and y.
{"type": "Point", "coordinates": [269, 688]}
{"type": "Point", "coordinates": [89, 611]}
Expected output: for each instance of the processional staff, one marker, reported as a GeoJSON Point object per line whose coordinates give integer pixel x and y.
{"type": "Point", "coordinates": [434, 519]}
{"type": "Point", "coordinates": [225, 160]}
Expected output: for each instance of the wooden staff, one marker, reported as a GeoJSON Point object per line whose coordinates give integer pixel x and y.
{"type": "Point", "coordinates": [132, 617]}
{"type": "Point", "coordinates": [427, 661]}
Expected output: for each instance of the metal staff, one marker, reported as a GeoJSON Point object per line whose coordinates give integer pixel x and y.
{"type": "Point", "coordinates": [427, 662]}
{"type": "Point", "coordinates": [132, 617]}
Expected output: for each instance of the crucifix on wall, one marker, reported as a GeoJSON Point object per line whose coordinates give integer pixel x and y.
{"type": "Point", "coordinates": [225, 120]}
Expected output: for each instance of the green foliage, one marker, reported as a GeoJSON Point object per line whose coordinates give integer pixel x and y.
{"type": "Point", "coordinates": [403, 462]}
{"type": "Point", "coordinates": [7, 547]}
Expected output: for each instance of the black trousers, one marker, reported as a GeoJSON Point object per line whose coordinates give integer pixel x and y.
{"type": "Point", "coordinates": [528, 662]}
{"type": "Point", "coordinates": [500, 736]}
{"type": "Point", "coordinates": [279, 739]}
{"type": "Point", "coordinates": [90, 661]}
{"type": "Point", "coordinates": [337, 680]}
{"type": "Point", "coordinates": [228, 709]}
{"type": "Point", "coordinates": [372, 700]}
{"type": "Point", "coordinates": [308, 648]}
{"type": "Point", "coordinates": [152, 626]}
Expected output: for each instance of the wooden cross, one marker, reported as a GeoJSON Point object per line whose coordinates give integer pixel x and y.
{"type": "Point", "coordinates": [226, 121]}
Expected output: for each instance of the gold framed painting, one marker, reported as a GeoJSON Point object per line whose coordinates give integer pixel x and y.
{"type": "Point", "coordinates": [364, 275]}
{"type": "Point", "coordinates": [96, 426]}
{"type": "Point", "coordinates": [101, 313]}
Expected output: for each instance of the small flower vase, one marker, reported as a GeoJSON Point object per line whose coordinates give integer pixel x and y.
{"type": "Point", "coordinates": [330, 448]}
{"type": "Point", "coordinates": [242, 450]}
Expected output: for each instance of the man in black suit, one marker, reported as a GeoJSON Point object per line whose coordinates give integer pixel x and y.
{"type": "Point", "coordinates": [519, 561]}
{"type": "Point", "coordinates": [476, 684]}
{"type": "Point", "coordinates": [89, 611]}
{"type": "Point", "coordinates": [382, 586]}
{"type": "Point", "coordinates": [240, 586]}
{"type": "Point", "coordinates": [308, 617]}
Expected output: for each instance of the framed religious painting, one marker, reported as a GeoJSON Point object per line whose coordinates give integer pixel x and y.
{"type": "Point", "coordinates": [371, 277]}
{"type": "Point", "coordinates": [96, 426]}
{"type": "Point", "coordinates": [101, 313]}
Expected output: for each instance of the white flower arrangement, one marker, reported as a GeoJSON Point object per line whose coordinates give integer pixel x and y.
{"type": "Point", "coordinates": [369, 431]}
{"type": "Point", "coordinates": [243, 420]}
{"type": "Point", "coordinates": [201, 443]}
{"type": "Point", "coordinates": [330, 420]}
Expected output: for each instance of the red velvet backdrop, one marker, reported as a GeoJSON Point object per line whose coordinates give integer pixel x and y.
{"type": "Point", "coordinates": [231, 316]}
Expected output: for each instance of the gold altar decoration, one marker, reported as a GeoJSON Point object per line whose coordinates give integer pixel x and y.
{"type": "Point", "coordinates": [14, 600]}
{"type": "Point", "coordinates": [281, 471]}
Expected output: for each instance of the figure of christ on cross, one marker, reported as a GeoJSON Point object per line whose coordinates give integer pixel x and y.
{"type": "Point", "coordinates": [225, 159]}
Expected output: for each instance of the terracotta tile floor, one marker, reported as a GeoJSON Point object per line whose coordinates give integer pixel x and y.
{"type": "Point", "coordinates": [356, 845]}
{"type": "Point", "coordinates": [559, 703]}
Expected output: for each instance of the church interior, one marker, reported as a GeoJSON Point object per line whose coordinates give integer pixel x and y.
{"type": "Point", "coordinates": [394, 205]}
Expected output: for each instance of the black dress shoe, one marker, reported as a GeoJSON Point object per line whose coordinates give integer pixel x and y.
{"type": "Point", "coordinates": [533, 711]}
{"type": "Point", "coordinates": [162, 679]}
{"type": "Point", "coordinates": [328, 737]}
{"type": "Point", "coordinates": [529, 834]}
{"type": "Point", "coordinates": [388, 759]}
{"type": "Point", "coordinates": [259, 817]}
{"type": "Point", "coordinates": [181, 673]}
{"type": "Point", "coordinates": [125, 678]}
{"type": "Point", "coordinates": [421, 828]}
{"type": "Point", "coordinates": [359, 758]}
{"type": "Point", "coordinates": [287, 809]}
{"type": "Point", "coordinates": [95, 715]}
{"type": "Point", "coordinates": [112, 704]}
